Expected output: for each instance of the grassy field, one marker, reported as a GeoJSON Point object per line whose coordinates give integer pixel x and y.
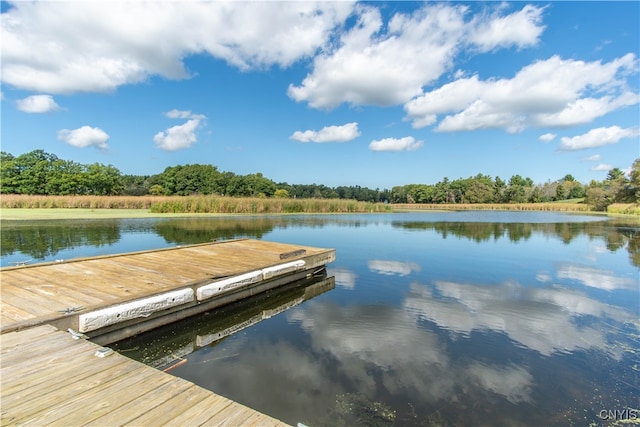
{"type": "Point", "coordinates": [78, 207]}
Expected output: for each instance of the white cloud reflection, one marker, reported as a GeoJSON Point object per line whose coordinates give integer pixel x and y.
{"type": "Point", "coordinates": [596, 278]}
{"type": "Point", "coordinates": [392, 267]}
{"type": "Point", "coordinates": [344, 277]}
{"type": "Point", "coordinates": [409, 358]}
{"type": "Point", "coordinates": [544, 320]}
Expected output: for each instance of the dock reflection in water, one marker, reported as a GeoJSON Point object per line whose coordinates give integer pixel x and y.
{"type": "Point", "coordinates": [170, 346]}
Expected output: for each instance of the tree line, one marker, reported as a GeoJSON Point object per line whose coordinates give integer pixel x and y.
{"type": "Point", "coordinates": [42, 173]}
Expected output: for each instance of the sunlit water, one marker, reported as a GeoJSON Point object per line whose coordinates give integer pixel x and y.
{"type": "Point", "coordinates": [460, 318]}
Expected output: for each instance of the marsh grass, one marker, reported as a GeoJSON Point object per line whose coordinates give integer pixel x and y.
{"type": "Point", "coordinates": [544, 207]}
{"type": "Point", "coordinates": [193, 204]}
{"type": "Point", "coordinates": [77, 202]}
{"type": "Point", "coordinates": [624, 208]}
{"type": "Point", "coordinates": [256, 205]}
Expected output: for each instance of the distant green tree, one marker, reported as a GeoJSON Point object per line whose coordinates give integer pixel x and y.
{"type": "Point", "coordinates": [560, 192]}
{"type": "Point", "coordinates": [576, 190]}
{"type": "Point", "coordinates": [480, 189]}
{"type": "Point", "coordinates": [257, 184]}
{"type": "Point", "coordinates": [66, 177]}
{"type": "Point", "coordinates": [634, 181]}
{"type": "Point", "coordinates": [518, 189]}
{"type": "Point", "coordinates": [499, 187]}
{"type": "Point", "coordinates": [32, 172]}
{"type": "Point", "coordinates": [598, 198]}
{"type": "Point", "coordinates": [8, 174]}
{"type": "Point", "coordinates": [615, 174]}
{"type": "Point", "coordinates": [442, 192]}
{"type": "Point", "coordinates": [281, 194]}
{"type": "Point", "coordinates": [156, 190]}
{"type": "Point", "coordinates": [536, 195]}
{"type": "Point", "coordinates": [103, 180]}
{"type": "Point", "coordinates": [136, 185]}
{"type": "Point", "coordinates": [399, 194]}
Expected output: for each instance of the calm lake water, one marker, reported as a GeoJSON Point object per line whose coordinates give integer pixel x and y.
{"type": "Point", "coordinates": [424, 319]}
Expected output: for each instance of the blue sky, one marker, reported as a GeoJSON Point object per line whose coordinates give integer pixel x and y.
{"type": "Point", "coordinates": [376, 94]}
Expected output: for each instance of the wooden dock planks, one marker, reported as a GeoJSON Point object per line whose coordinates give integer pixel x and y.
{"type": "Point", "coordinates": [49, 378]}
{"type": "Point", "coordinates": [53, 379]}
{"type": "Point", "coordinates": [37, 294]}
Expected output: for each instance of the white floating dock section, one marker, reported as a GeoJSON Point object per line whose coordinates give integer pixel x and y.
{"type": "Point", "coordinates": [226, 285]}
{"type": "Point", "coordinates": [133, 310]}
{"type": "Point", "coordinates": [146, 307]}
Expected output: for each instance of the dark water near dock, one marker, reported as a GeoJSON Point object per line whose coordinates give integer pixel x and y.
{"type": "Point", "coordinates": [425, 319]}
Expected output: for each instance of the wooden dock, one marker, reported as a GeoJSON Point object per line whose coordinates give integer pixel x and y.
{"type": "Point", "coordinates": [48, 377]}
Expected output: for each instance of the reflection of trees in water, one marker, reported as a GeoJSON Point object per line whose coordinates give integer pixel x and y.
{"type": "Point", "coordinates": [40, 239]}
{"type": "Point", "coordinates": [43, 239]}
{"type": "Point", "coordinates": [616, 234]}
{"type": "Point", "coordinates": [200, 230]}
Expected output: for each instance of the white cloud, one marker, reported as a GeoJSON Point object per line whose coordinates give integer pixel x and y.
{"type": "Point", "coordinates": [342, 133]}
{"type": "Point", "coordinates": [550, 93]}
{"type": "Point", "coordinates": [178, 137]}
{"type": "Point", "coordinates": [585, 110]}
{"type": "Point", "coordinates": [64, 47]}
{"type": "Point", "coordinates": [182, 114]}
{"type": "Point", "coordinates": [37, 104]}
{"type": "Point", "coordinates": [181, 136]}
{"type": "Point", "coordinates": [597, 138]}
{"type": "Point", "coordinates": [85, 136]}
{"type": "Point", "coordinates": [593, 158]}
{"type": "Point", "coordinates": [395, 144]}
{"type": "Point", "coordinates": [602, 167]}
{"type": "Point", "coordinates": [522, 29]}
{"type": "Point", "coordinates": [372, 66]}
{"type": "Point", "coordinates": [547, 137]}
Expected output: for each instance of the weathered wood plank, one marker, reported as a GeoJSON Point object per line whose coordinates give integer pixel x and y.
{"type": "Point", "coordinates": [33, 388]}
{"type": "Point", "coordinates": [25, 299]}
{"type": "Point", "coordinates": [177, 403]}
{"type": "Point", "coordinates": [141, 404]}
{"type": "Point", "coordinates": [12, 339]}
{"type": "Point", "coordinates": [11, 314]}
{"type": "Point", "coordinates": [48, 404]}
{"type": "Point", "coordinates": [99, 400]}
{"type": "Point", "coordinates": [38, 350]}
{"type": "Point", "coordinates": [201, 411]}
